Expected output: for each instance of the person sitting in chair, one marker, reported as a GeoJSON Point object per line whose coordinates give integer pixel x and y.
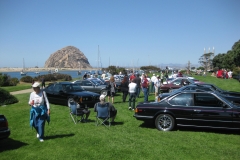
{"type": "Point", "coordinates": [113, 111]}
{"type": "Point", "coordinates": [86, 111]}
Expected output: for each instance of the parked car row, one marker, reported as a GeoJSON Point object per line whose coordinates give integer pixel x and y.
{"type": "Point", "coordinates": [178, 83]}
{"type": "Point", "coordinates": [194, 104]}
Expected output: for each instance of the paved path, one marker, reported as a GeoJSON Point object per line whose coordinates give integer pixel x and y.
{"type": "Point", "coordinates": [22, 91]}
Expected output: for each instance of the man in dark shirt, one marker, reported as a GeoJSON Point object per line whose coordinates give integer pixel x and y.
{"type": "Point", "coordinates": [113, 111]}
{"type": "Point", "coordinates": [43, 82]}
{"type": "Point", "coordinates": [138, 82]}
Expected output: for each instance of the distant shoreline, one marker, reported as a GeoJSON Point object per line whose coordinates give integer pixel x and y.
{"type": "Point", "coordinates": [42, 69]}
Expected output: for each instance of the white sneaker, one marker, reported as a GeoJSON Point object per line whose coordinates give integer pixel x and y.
{"type": "Point", "coordinates": [37, 135]}
{"type": "Point", "coordinates": [130, 108]}
{"type": "Point", "coordinates": [41, 140]}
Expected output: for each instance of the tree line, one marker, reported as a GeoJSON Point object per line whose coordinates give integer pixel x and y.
{"type": "Point", "coordinates": [228, 61]}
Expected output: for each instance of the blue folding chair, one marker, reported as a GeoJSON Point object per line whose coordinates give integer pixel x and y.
{"type": "Point", "coordinates": [76, 113]}
{"type": "Point", "coordinates": [103, 115]}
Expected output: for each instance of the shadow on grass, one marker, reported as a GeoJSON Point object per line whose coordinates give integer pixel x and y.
{"type": "Point", "coordinates": [10, 144]}
{"type": "Point", "coordinates": [150, 124]}
{"type": "Point", "coordinates": [209, 130]}
{"type": "Point", "coordinates": [59, 136]}
{"type": "Point", "coordinates": [116, 123]}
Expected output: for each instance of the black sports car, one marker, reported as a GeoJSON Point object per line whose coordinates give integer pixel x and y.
{"type": "Point", "coordinates": [191, 109]}
{"type": "Point", "coordinates": [63, 92]}
{"type": "Point", "coordinates": [4, 130]}
{"type": "Point", "coordinates": [231, 96]}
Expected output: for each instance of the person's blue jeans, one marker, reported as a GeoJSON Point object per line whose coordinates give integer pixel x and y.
{"type": "Point", "coordinates": [145, 93]}
{"type": "Point", "coordinates": [138, 89]}
{"type": "Point", "coordinates": [152, 87]}
{"type": "Point", "coordinates": [132, 98]}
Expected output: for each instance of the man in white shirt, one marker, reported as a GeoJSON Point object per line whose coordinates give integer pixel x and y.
{"type": "Point", "coordinates": [103, 76]}
{"type": "Point", "coordinates": [132, 94]}
{"type": "Point", "coordinates": [157, 84]}
{"type": "Point", "coordinates": [153, 78]}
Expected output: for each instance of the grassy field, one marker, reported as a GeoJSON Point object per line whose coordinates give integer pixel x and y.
{"type": "Point", "coordinates": [127, 139]}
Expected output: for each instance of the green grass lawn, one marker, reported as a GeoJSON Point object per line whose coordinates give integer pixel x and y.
{"type": "Point", "coordinates": [127, 139]}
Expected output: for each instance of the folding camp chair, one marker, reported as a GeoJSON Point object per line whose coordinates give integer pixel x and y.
{"type": "Point", "coordinates": [103, 115]}
{"type": "Point", "coordinates": [76, 113]}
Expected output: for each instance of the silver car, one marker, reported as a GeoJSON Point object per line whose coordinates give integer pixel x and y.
{"type": "Point", "coordinates": [92, 86]}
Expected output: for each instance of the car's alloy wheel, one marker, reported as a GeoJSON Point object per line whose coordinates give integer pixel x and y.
{"type": "Point", "coordinates": [164, 122]}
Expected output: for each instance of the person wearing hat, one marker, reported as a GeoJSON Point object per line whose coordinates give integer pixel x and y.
{"type": "Point", "coordinates": [102, 103]}
{"type": "Point", "coordinates": [40, 110]}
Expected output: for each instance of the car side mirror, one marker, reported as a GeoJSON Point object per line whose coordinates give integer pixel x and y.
{"type": "Point", "coordinates": [224, 105]}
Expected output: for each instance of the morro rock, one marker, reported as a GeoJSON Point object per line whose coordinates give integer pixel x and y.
{"type": "Point", "coordinates": [68, 57]}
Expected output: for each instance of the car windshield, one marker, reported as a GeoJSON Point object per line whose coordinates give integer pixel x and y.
{"type": "Point", "coordinates": [191, 81]}
{"type": "Point", "coordinates": [223, 98]}
{"type": "Point", "coordinates": [96, 82]}
{"type": "Point", "coordinates": [72, 87]}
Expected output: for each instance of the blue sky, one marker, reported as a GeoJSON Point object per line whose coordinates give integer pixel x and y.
{"type": "Point", "coordinates": [128, 32]}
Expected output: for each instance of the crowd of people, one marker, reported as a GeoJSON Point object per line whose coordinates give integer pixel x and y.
{"type": "Point", "coordinates": [132, 86]}
{"type": "Point", "coordinates": [223, 73]}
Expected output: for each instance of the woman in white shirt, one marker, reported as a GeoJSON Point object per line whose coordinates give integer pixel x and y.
{"type": "Point", "coordinates": [40, 110]}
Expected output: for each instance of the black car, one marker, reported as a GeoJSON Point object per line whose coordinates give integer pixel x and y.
{"type": "Point", "coordinates": [63, 92]}
{"type": "Point", "coordinates": [4, 130]}
{"type": "Point", "coordinates": [230, 93]}
{"type": "Point", "coordinates": [231, 96]}
{"type": "Point", "coordinates": [191, 109]}
{"type": "Point", "coordinates": [92, 85]}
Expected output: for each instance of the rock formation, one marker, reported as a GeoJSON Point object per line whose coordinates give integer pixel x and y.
{"type": "Point", "coordinates": [68, 57]}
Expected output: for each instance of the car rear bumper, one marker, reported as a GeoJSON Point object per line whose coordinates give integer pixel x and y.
{"type": "Point", "coordinates": [141, 117]}
{"type": "Point", "coordinates": [4, 133]}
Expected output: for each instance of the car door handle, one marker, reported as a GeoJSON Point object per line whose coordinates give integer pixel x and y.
{"type": "Point", "coordinates": [195, 110]}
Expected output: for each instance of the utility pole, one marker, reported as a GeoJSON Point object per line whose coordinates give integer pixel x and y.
{"type": "Point", "coordinates": [189, 67]}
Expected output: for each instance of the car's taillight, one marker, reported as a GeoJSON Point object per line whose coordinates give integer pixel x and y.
{"type": "Point", "coordinates": [137, 110]}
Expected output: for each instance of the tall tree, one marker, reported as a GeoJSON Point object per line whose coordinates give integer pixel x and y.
{"type": "Point", "coordinates": [218, 60]}
{"type": "Point", "coordinates": [206, 60]}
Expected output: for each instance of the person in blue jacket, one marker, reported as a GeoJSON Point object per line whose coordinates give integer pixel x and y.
{"type": "Point", "coordinates": [40, 111]}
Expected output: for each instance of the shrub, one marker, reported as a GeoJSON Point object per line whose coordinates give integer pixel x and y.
{"type": "Point", "coordinates": [6, 97]}
{"type": "Point", "coordinates": [236, 70]}
{"type": "Point", "coordinates": [27, 79]}
{"type": "Point", "coordinates": [13, 81]}
{"type": "Point", "coordinates": [6, 80]}
{"type": "Point", "coordinates": [55, 77]}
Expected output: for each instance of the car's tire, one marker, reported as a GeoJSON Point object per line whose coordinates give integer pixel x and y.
{"type": "Point", "coordinates": [69, 100]}
{"type": "Point", "coordinates": [104, 92]}
{"type": "Point", "coordinates": [165, 122]}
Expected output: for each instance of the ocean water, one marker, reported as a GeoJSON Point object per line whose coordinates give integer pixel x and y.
{"type": "Point", "coordinates": [73, 74]}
